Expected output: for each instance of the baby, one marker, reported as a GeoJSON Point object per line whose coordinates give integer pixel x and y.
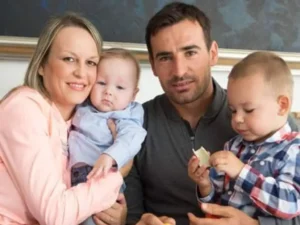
{"type": "Point", "coordinates": [93, 149]}
{"type": "Point", "coordinates": [258, 170]}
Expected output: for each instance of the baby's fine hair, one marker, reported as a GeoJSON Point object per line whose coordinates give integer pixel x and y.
{"type": "Point", "coordinates": [123, 54]}
{"type": "Point", "coordinates": [274, 69]}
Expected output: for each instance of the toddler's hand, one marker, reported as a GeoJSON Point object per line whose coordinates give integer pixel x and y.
{"type": "Point", "coordinates": [102, 166]}
{"type": "Point", "coordinates": [227, 162]}
{"type": "Point", "coordinates": [199, 174]}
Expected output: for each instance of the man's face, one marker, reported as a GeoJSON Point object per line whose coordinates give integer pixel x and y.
{"type": "Point", "coordinates": [182, 62]}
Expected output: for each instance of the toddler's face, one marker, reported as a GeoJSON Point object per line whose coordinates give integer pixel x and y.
{"type": "Point", "coordinates": [254, 107]}
{"type": "Point", "coordinates": [116, 84]}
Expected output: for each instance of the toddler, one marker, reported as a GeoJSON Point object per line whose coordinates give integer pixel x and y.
{"type": "Point", "coordinates": [258, 171]}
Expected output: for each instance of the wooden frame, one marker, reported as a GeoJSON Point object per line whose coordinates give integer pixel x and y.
{"type": "Point", "coordinates": [23, 47]}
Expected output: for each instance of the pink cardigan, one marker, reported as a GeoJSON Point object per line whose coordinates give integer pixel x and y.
{"type": "Point", "coordinates": [34, 176]}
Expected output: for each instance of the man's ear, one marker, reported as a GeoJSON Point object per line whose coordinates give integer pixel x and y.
{"type": "Point", "coordinates": [214, 53]}
{"type": "Point", "coordinates": [284, 103]}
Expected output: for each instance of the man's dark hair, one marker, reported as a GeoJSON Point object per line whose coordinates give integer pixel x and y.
{"type": "Point", "coordinates": [174, 13]}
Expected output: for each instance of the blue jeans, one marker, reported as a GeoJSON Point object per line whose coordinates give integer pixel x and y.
{"type": "Point", "coordinates": [78, 175]}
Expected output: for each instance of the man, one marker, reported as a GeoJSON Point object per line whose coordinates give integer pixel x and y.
{"type": "Point", "coordinates": [192, 113]}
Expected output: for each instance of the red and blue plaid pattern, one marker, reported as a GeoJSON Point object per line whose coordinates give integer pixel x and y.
{"type": "Point", "coordinates": [269, 183]}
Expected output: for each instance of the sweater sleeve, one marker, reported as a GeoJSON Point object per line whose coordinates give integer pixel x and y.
{"type": "Point", "coordinates": [26, 150]}
{"type": "Point", "coordinates": [130, 136]}
{"type": "Point", "coordinates": [278, 196]}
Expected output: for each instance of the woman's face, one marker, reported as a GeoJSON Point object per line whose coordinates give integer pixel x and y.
{"type": "Point", "coordinates": [70, 69]}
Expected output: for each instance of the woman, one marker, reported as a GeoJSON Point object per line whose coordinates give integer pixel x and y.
{"type": "Point", "coordinates": [35, 180]}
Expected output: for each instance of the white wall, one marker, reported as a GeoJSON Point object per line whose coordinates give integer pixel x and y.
{"type": "Point", "coordinates": [12, 73]}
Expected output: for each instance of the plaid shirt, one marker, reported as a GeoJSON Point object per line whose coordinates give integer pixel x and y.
{"type": "Point", "coordinates": [269, 183]}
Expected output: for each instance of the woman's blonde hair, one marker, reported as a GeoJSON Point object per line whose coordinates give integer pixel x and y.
{"type": "Point", "coordinates": [54, 25]}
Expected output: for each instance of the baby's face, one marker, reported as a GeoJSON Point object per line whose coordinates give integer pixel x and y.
{"type": "Point", "coordinates": [116, 84]}
{"type": "Point", "coordinates": [254, 107]}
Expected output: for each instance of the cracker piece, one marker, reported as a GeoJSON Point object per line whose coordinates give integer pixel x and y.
{"type": "Point", "coordinates": [203, 156]}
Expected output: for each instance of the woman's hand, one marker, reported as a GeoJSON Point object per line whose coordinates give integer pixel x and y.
{"type": "Point", "coordinates": [112, 126]}
{"type": "Point", "coordinates": [115, 215]}
{"type": "Point", "coordinates": [150, 219]}
{"type": "Point", "coordinates": [226, 215]}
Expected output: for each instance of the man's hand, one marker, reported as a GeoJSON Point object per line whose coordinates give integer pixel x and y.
{"type": "Point", "coordinates": [102, 166]}
{"type": "Point", "coordinates": [227, 215]}
{"type": "Point", "coordinates": [116, 215]}
{"type": "Point", "coordinates": [150, 219]}
{"type": "Point", "coordinates": [200, 175]}
{"type": "Point", "coordinates": [226, 161]}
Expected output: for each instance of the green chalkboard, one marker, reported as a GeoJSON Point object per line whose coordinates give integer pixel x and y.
{"type": "Point", "coordinates": [238, 24]}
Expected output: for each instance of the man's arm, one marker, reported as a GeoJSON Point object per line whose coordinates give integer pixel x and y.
{"type": "Point", "coordinates": [134, 195]}
{"type": "Point", "coordinates": [293, 123]}
{"type": "Point", "coordinates": [277, 221]}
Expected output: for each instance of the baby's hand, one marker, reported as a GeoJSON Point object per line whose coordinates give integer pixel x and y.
{"type": "Point", "coordinates": [227, 162]}
{"type": "Point", "coordinates": [102, 166]}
